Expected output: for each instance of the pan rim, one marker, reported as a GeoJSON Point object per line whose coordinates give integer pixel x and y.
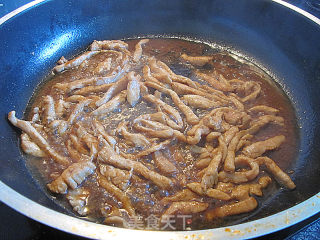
{"type": "Point", "coordinates": [27, 6]}
{"type": "Point", "coordinates": [84, 228]}
{"type": "Point", "coordinates": [92, 230]}
{"type": "Point", "coordinates": [21, 9]}
{"type": "Point", "coordinates": [298, 10]}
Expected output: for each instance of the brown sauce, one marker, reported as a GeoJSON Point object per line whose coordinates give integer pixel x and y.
{"type": "Point", "coordinates": [144, 195]}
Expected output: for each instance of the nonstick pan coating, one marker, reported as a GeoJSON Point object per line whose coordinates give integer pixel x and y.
{"type": "Point", "coordinates": [282, 41]}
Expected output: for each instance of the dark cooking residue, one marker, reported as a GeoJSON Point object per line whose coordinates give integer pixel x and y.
{"type": "Point", "coordinates": [160, 134]}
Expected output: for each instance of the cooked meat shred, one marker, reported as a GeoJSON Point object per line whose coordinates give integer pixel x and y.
{"type": "Point", "coordinates": [197, 60]}
{"type": "Point", "coordinates": [30, 147]}
{"type": "Point", "coordinates": [130, 130]}
{"type": "Point", "coordinates": [244, 206]}
{"type": "Point", "coordinates": [73, 176]}
{"type": "Point", "coordinates": [258, 148]}
{"type": "Point", "coordinates": [78, 199]}
{"type": "Point", "coordinates": [185, 208]}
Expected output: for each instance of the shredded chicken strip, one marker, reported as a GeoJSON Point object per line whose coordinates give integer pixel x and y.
{"type": "Point", "coordinates": [255, 92]}
{"type": "Point", "coordinates": [94, 81]}
{"type": "Point", "coordinates": [75, 99]}
{"type": "Point", "coordinates": [90, 141]}
{"type": "Point", "coordinates": [234, 100]}
{"type": "Point", "coordinates": [263, 109]}
{"type": "Point", "coordinates": [243, 176]}
{"type": "Point", "coordinates": [36, 116]}
{"type": "Point", "coordinates": [213, 193]}
{"type": "Point", "coordinates": [197, 149]}
{"type": "Point", "coordinates": [120, 178]}
{"type": "Point", "coordinates": [62, 60]}
{"type": "Point", "coordinates": [255, 126]}
{"type": "Point", "coordinates": [244, 191]}
{"type": "Point", "coordinates": [163, 164]}
{"type": "Point", "coordinates": [200, 102]}
{"type": "Point", "coordinates": [190, 116]}
{"type": "Point", "coordinates": [116, 88]}
{"type": "Point", "coordinates": [36, 137]}
{"type": "Point", "coordinates": [213, 120]}
{"type": "Point", "coordinates": [30, 147]}
{"type": "Point", "coordinates": [236, 118]}
{"type": "Point", "coordinates": [172, 112]}
{"type": "Point", "coordinates": [258, 148]}
{"type": "Point", "coordinates": [137, 139]}
{"type": "Point", "coordinates": [205, 120]}
{"type": "Point", "coordinates": [138, 50]}
{"type": "Point", "coordinates": [217, 95]}
{"type": "Point", "coordinates": [244, 206]}
{"type": "Point", "coordinates": [133, 89]}
{"type": "Point", "coordinates": [183, 89]}
{"type": "Point", "coordinates": [203, 162]}
{"type": "Point", "coordinates": [158, 73]}
{"type": "Point", "coordinates": [60, 108]}
{"type": "Point", "coordinates": [175, 77]}
{"type": "Point", "coordinates": [78, 199]}
{"type": "Point", "coordinates": [229, 134]}
{"type": "Point", "coordinates": [279, 175]}
{"type": "Point", "coordinates": [62, 125]}
{"type": "Point", "coordinates": [100, 131]}
{"type": "Point", "coordinates": [78, 109]}
{"type": "Point", "coordinates": [92, 89]}
{"type": "Point", "coordinates": [103, 66]}
{"type": "Point", "coordinates": [209, 148]}
{"type": "Point", "coordinates": [183, 195]}
{"type": "Point", "coordinates": [210, 177]}
{"type": "Point", "coordinates": [263, 120]}
{"type": "Point", "coordinates": [152, 149]}
{"type": "Point", "coordinates": [74, 62]}
{"type": "Point", "coordinates": [212, 136]}
{"type": "Point", "coordinates": [185, 208]}
{"type": "Point", "coordinates": [159, 117]}
{"type": "Point", "coordinates": [78, 144]}
{"type": "Point", "coordinates": [73, 176]}
{"type": "Point", "coordinates": [216, 82]}
{"type": "Point", "coordinates": [111, 105]}
{"type": "Point", "coordinates": [244, 141]}
{"type": "Point", "coordinates": [76, 155]}
{"type": "Point", "coordinates": [197, 60]}
{"type": "Point", "coordinates": [49, 113]}
{"type": "Point", "coordinates": [195, 139]}
{"type": "Point", "coordinates": [120, 195]}
{"type": "Point", "coordinates": [108, 155]}
{"type": "Point", "coordinates": [153, 129]}
{"type": "Point", "coordinates": [148, 76]}
{"type": "Point", "coordinates": [108, 44]}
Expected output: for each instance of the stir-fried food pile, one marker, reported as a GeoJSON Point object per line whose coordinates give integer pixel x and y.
{"type": "Point", "coordinates": [126, 138]}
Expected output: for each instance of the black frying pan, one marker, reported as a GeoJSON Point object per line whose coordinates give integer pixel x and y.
{"type": "Point", "coordinates": [282, 41]}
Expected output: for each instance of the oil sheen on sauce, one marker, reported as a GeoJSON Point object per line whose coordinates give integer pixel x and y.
{"type": "Point", "coordinates": [145, 196]}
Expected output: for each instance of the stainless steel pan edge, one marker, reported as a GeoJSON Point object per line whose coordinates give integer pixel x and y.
{"type": "Point", "coordinates": [80, 227]}
{"type": "Point", "coordinates": [83, 228]}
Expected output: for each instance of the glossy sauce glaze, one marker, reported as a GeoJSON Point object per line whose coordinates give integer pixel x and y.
{"type": "Point", "coordinates": [145, 196]}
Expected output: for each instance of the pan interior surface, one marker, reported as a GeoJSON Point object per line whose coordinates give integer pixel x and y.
{"type": "Point", "coordinates": [168, 50]}
{"type": "Point", "coordinates": [274, 37]}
